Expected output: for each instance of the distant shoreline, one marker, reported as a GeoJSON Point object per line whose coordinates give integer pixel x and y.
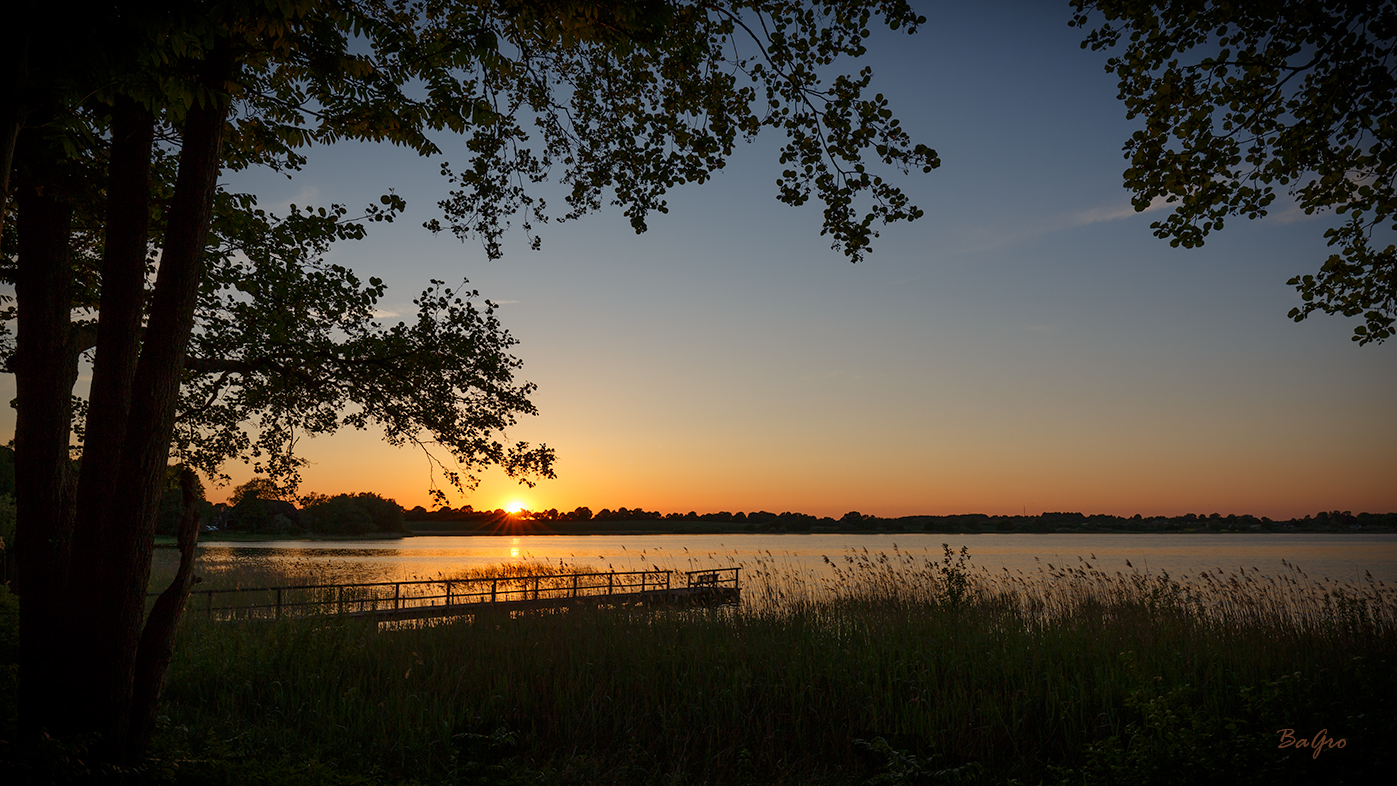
{"type": "Point", "coordinates": [881, 531]}
{"type": "Point", "coordinates": [661, 527]}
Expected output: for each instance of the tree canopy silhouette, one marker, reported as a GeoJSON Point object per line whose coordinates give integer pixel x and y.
{"type": "Point", "coordinates": [201, 313]}
{"type": "Point", "coordinates": [1241, 98]}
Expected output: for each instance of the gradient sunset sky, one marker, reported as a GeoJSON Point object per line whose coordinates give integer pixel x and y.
{"type": "Point", "coordinates": [1028, 346]}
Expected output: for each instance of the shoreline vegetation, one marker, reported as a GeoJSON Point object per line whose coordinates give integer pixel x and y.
{"type": "Point", "coordinates": [466, 522]}
{"type": "Point", "coordinates": [897, 669]}
{"type": "Point", "coordinates": [260, 511]}
{"type": "Point", "coordinates": [856, 523]}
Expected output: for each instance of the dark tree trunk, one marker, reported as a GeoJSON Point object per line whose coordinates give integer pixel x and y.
{"type": "Point", "coordinates": [118, 343]}
{"type": "Point", "coordinates": [121, 306]}
{"type": "Point", "coordinates": [119, 559]}
{"type": "Point", "coordinates": [100, 547]}
{"type": "Point", "coordinates": [14, 81]}
{"type": "Point", "coordinates": [158, 638]}
{"type": "Point", "coordinates": [44, 379]}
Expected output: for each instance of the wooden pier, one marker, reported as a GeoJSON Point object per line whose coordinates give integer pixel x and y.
{"type": "Point", "coordinates": [387, 601]}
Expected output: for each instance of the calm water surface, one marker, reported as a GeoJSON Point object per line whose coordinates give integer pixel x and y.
{"type": "Point", "coordinates": [1345, 557]}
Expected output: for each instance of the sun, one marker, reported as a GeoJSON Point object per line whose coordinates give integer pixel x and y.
{"type": "Point", "coordinates": [514, 507]}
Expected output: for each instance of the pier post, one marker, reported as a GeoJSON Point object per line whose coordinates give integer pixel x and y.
{"type": "Point", "coordinates": [341, 599]}
{"type": "Point", "coordinates": [397, 594]}
{"type": "Point", "coordinates": [494, 589]}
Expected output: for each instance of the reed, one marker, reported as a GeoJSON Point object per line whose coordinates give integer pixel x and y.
{"type": "Point", "coordinates": [899, 667]}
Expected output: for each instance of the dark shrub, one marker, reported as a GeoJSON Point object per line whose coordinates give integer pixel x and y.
{"type": "Point", "coordinates": [386, 514]}
{"type": "Point", "coordinates": [338, 515]}
{"type": "Point", "coordinates": [264, 516]}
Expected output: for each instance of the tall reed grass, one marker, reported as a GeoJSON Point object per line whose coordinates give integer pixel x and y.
{"type": "Point", "coordinates": [892, 668]}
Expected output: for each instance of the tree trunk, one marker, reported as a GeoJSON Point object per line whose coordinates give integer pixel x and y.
{"type": "Point", "coordinates": [83, 597]}
{"type": "Point", "coordinates": [14, 80]}
{"type": "Point", "coordinates": [121, 307]}
{"type": "Point", "coordinates": [101, 551]}
{"type": "Point", "coordinates": [158, 638]}
{"type": "Point", "coordinates": [43, 491]}
{"type": "Point", "coordinates": [119, 559]}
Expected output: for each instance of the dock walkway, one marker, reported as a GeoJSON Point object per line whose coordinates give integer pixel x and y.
{"type": "Point", "coordinates": [413, 600]}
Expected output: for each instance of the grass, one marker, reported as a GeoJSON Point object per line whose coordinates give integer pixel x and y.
{"type": "Point", "coordinates": [892, 669]}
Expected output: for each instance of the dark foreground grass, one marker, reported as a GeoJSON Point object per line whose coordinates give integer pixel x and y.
{"type": "Point", "coordinates": [897, 671]}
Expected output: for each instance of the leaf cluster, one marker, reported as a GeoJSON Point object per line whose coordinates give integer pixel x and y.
{"type": "Point", "coordinates": [298, 346]}
{"type": "Point", "coordinates": [1239, 99]}
{"type": "Point", "coordinates": [662, 98]}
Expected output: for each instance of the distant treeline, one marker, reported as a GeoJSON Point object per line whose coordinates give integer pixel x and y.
{"type": "Point", "coordinates": [466, 519]}
{"type": "Point", "coordinates": [258, 508]}
{"type": "Point", "coordinates": [342, 514]}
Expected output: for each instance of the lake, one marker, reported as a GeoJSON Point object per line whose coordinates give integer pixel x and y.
{"type": "Point", "coordinates": [1341, 557]}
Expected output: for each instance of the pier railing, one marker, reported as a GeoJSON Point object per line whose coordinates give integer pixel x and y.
{"type": "Point", "coordinates": [411, 598]}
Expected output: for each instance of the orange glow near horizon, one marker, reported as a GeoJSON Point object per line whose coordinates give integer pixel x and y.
{"type": "Point", "coordinates": [924, 471]}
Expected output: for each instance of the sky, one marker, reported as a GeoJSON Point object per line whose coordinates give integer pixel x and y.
{"type": "Point", "coordinates": [1027, 346]}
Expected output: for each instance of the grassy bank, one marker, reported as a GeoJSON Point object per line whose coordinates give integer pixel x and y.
{"type": "Point", "coordinates": [898, 671]}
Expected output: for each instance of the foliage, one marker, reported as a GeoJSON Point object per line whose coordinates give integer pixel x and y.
{"type": "Point", "coordinates": [386, 514]}
{"type": "Point", "coordinates": [256, 488]}
{"type": "Point", "coordinates": [338, 515]}
{"type": "Point", "coordinates": [351, 514]}
{"type": "Point", "coordinates": [701, 75]}
{"type": "Point", "coordinates": [1241, 98]}
{"type": "Point", "coordinates": [264, 516]}
{"type": "Point", "coordinates": [902, 768]}
{"type": "Point", "coordinates": [1173, 741]}
{"type": "Point", "coordinates": [288, 344]}
{"type": "Point", "coordinates": [955, 575]}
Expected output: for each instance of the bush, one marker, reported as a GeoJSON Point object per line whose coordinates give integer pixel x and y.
{"type": "Point", "coordinates": [339, 515]}
{"type": "Point", "coordinates": [256, 515]}
{"type": "Point", "coordinates": [386, 514]}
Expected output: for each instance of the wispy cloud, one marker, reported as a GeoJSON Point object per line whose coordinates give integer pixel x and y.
{"type": "Point", "coordinates": [306, 197]}
{"type": "Point", "coordinates": [1014, 234]}
{"type": "Point", "coordinates": [1111, 213]}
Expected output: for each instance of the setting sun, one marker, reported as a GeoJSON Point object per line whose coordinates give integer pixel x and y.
{"type": "Point", "coordinates": [514, 507]}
